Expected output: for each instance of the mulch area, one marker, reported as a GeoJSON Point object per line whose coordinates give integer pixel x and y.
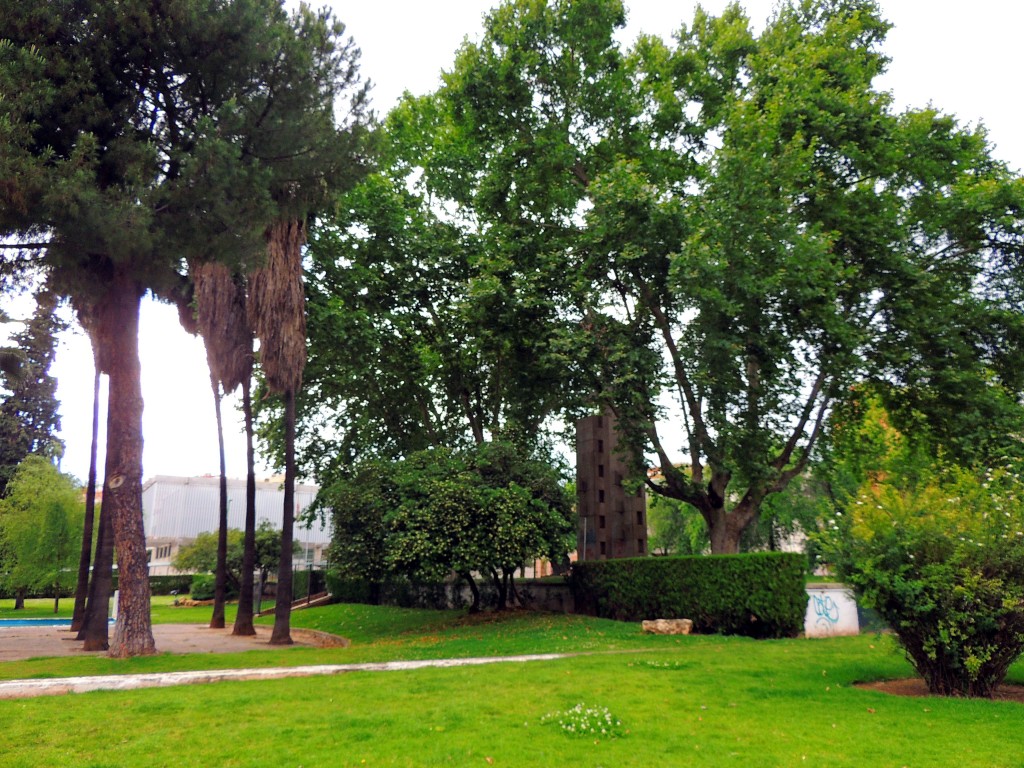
{"type": "Point", "coordinates": [915, 686]}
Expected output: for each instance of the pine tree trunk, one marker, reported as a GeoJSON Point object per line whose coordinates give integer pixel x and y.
{"type": "Point", "coordinates": [283, 607]}
{"type": "Point", "coordinates": [122, 488]}
{"type": "Point", "coordinates": [221, 571]}
{"type": "Point", "coordinates": [84, 559]}
{"type": "Point", "coordinates": [243, 619]}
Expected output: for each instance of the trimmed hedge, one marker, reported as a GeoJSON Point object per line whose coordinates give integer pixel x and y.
{"type": "Point", "coordinates": [758, 595]}
{"type": "Point", "coordinates": [166, 585]}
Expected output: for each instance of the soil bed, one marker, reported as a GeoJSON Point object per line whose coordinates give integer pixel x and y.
{"type": "Point", "coordinates": [915, 686]}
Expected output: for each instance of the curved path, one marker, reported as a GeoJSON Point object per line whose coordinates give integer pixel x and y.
{"type": "Point", "coordinates": [16, 689]}
{"type": "Point", "coordinates": [18, 643]}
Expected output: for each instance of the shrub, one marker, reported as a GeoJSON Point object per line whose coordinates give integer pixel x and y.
{"type": "Point", "coordinates": [943, 564]}
{"type": "Point", "coordinates": [166, 585]}
{"type": "Point", "coordinates": [202, 586]}
{"type": "Point", "coordinates": [759, 595]}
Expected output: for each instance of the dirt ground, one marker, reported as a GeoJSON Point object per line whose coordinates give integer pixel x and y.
{"type": "Point", "coordinates": [915, 686]}
{"type": "Point", "coordinates": [18, 643]}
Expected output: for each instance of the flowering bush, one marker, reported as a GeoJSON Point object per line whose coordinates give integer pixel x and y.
{"type": "Point", "coordinates": [582, 720]}
{"type": "Point", "coordinates": [943, 564]}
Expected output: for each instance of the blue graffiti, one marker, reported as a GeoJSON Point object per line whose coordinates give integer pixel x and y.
{"type": "Point", "coordinates": [826, 610]}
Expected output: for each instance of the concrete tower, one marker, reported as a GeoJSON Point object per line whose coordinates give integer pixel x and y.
{"type": "Point", "coordinates": [611, 522]}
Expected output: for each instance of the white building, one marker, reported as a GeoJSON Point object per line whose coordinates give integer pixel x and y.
{"type": "Point", "coordinates": [175, 510]}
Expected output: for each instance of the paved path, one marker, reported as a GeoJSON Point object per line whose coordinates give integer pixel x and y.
{"type": "Point", "coordinates": [19, 689]}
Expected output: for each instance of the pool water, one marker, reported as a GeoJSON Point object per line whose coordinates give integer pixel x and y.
{"type": "Point", "coordinates": [36, 623]}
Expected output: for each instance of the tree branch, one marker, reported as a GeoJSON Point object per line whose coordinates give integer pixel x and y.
{"type": "Point", "coordinates": [787, 452]}
{"type": "Point", "coordinates": [24, 246]}
{"type": "Point", "coordinates": [700, 436]}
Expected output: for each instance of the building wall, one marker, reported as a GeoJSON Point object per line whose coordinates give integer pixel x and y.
{"type": "Point", "coordinates": [176, 510]}
{"type": "Point", "coordinates": [612, 522]}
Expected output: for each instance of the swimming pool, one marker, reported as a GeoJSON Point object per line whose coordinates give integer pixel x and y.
{"type": "Point", "coordinates": [37, 623]}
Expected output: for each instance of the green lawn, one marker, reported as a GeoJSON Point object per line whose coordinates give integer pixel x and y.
{"type": "Point", "coordinates": [695, 700]}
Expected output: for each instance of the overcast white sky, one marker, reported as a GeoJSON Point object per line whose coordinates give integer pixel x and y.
{"type": "Point", "coordinates": [963, 57]}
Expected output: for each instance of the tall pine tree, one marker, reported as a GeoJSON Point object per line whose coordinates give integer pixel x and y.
{"type": "Point", "coordinates": [29, 421]}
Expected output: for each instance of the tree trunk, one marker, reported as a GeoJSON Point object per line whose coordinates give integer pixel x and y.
{"type": "Point", "coordinates": [220, 586]}
{"type": "Point", "coordinates": [513, 593]}
{"type": "Point", "coordinates": [85, 557]}
{"type": "Point", "coordinates": [243, 619]}
{"type": "Point", "coordinates": [283, 607]}
{"type": "Point", "coordinates": [726, 528]}
{"type": "Point", "coordinates": [19, 600]}
{"type": "Point", "coordinates": [56, 599]}
{"type": "Point", "coordinates": [474, 590]}
{"type": "Point", "coordinates": [499, 586]}
{"type": "Point", "coordinates": [122, 487]}
{"type": "Point", "coordinates": [94, 629]}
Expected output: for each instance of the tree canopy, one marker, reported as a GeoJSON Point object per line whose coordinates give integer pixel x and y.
{"type": "Point", "coordinates": [720, 236]}
{"type": "Point", "coordinates": [487, 509]}
{"type": "Point", "coordinates": [29, 420]}
{"type": "Point", "coordinates": [200, 556]}
{"type": "Point", "coordinates": [41, 527]}
{"type": "Point", "coordinates": [138, 137]}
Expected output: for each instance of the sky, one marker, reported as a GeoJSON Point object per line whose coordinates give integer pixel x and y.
{"type": "Point", "coordinates": [963, 58]}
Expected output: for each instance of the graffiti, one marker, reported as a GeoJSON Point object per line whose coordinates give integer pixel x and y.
{"type": "Point", "coordinates": [826, 609]}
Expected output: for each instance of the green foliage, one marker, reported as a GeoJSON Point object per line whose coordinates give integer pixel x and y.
{"type": "Point", "coordinates": [758, 595]}
{"type": "Point", "coordinates": [487, 509]}
{"type": "Point", "coordinates": [28, 412]}
{"type": "Point", "coordinates": [41, 529]}
{"type": "Point", "coordinates": [676, 528]}
{"type": "Point", "coordinates": [203, 585]}
{"type": "Point", "coordinates": [166, 585]}
{"type": "Point", "coordinates": [41, 522]}
{"type": "Point", "coordinates": [943, 563]}
{"type": "Point", "coordinates": [735, 223]}
{"type": "Point", "coordinates": [201, 555]}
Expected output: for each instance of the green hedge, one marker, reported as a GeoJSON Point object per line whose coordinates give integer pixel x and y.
{"type": "Point", "coordinates": [759, 594]}
{"type": "Point", "coordinates": [166, 585]}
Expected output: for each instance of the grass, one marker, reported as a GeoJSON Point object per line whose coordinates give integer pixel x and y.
{"type": "Point", "coordinates": [707, 701]}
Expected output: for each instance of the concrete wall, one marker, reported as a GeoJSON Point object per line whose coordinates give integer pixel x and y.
{"type": "Point", "coordinates": [831, 611]}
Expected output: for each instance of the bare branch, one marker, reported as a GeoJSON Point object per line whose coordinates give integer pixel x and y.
{"type": "Point", "coordinates": [24, 246]}
{"type": "Point", "coordinates": [787, 452]}
{"type": "Point", "coordinates": [700, 435]}
{"type": "Point", "coordinates": [805, 453]}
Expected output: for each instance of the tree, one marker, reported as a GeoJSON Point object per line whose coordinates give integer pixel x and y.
{"type": "Point", "coordinates": [85, 561]}
{"type": "Point", "coordinates": [454, 333]}
{"type": "Point", "coordinates": [744, 229]}
{"type": "Point", "coordinates": [29, 420]}
{"type": "Point", "coordinates": [485, 510]}
{"type": "Point", "coordinates": [941, 560]}
{"type": "Point", "coordinates": [811, 253]}
{"type": "Point", "coordinates": [220, 318]}
{"type": "Point", "coordinates": [358, 505]}
{"type": "Point", "coordinates": [141, 135]}
{"type": "Point", "coordinates": [41, 523]}
{"type": "Point", "coordinates": [202, 554]}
